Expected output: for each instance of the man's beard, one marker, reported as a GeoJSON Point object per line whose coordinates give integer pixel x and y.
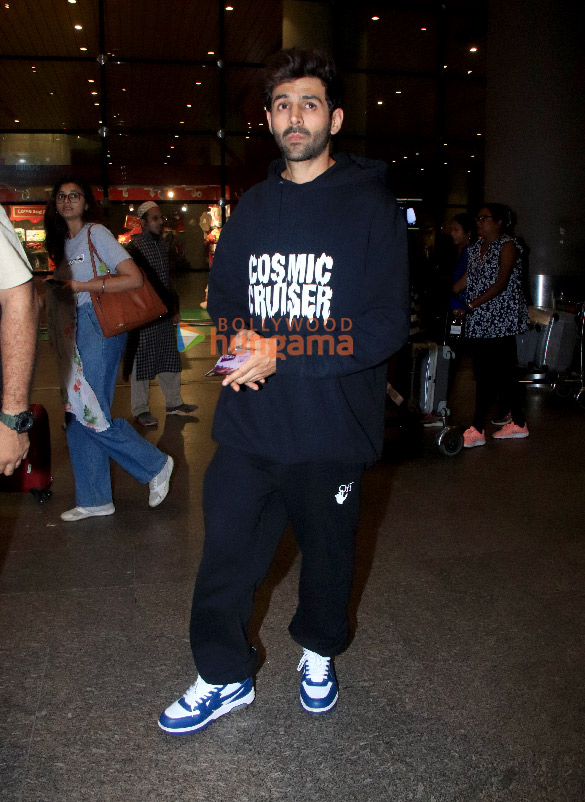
{"type": "Point", "coordinates": [313, 147]}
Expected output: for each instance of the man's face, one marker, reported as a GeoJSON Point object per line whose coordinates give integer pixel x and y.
{"type": "Point", "coordinates": [153, 221]}
{"type": "Point", "coordinates": [300, 119]}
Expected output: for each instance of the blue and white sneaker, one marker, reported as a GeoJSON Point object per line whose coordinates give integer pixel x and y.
{"type": "Point", "coordinates": [203, 703]}
{"type": "Point", "coordinates": [319, 689]}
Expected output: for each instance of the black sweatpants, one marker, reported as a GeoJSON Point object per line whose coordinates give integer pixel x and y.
{"type": "Point", "coordinates": [247, 502]}
{"type": "Point", "coordinates": [496, 375]}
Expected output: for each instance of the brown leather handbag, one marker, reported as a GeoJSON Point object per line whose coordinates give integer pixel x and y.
{"type": "Point", "coordinates": [118, 312]}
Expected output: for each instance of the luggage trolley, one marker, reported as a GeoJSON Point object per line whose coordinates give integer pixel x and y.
{"type": "Point", "coordinates": [429, 384]}
{"type": "Point", "coordinates": [574, 384]}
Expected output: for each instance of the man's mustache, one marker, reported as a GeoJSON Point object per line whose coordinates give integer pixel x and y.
{"type": "Point", "coordinates": [296, 129]}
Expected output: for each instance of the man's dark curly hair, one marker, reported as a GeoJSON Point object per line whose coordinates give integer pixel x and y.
{"type": "Point", "coordinates": [288, 65]}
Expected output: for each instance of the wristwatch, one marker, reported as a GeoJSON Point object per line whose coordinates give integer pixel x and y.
{"type": "Point", "coordinates": [19, 423]}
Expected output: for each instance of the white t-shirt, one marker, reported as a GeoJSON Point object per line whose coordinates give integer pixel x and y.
{"type": "Point", "coordinates": [77, 262]}
{"type": "Point", "coordinates": [14, 266]}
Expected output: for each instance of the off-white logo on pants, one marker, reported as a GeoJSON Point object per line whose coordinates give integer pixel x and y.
{"type": "Point", "coordinates": [341, 494]}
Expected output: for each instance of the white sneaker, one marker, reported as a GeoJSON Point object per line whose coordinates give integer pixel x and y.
{"type": "Point", "coordinates": [319, 690]}
{"type": "Point", "coordinates": [203, 703]}
{"type": "Point", "coordinates": [79, 513]}
{"type": "Point", "coordinates": [159, 486]}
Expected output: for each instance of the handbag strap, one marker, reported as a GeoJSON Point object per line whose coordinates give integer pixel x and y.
{"type": "Point", "coordinates": [93, 250]}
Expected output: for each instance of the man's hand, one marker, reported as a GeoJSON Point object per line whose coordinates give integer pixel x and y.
{"type": "Point", "coordinates": [260, 364]}
{"type": "Point", "coordinates": [13, 449]}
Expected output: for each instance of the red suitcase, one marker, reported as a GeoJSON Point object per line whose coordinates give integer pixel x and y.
{"type": "Point", "coordinates": [34, 473]}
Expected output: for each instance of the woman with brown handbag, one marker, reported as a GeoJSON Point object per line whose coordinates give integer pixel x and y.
{"type": "Point", "coordinates": [88, 361]}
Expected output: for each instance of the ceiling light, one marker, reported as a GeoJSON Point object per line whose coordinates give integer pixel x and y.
{"type": "Point", "coordinates": [375, 19]}
{"type": "Point", "coordinates": [380, 102]}
{"type": "Point", "coordinates": [183, 208]}
{"type": "Point", "coordinates": [51, 93]}
{"type": "Point", "coordinates": [94, 93]}
{"type": "Point", "coordinates": [398, 92]}
{"type": "Point", "coordinates": [83, 48]}
{"type": "Point", "coordinates": [469, 72]}
{"type": "Point", "coordinates": [168, 155]}
{"type": "Point", "coordinates": [211, 53]}
{"type": "Point", "coordinates": [188, 105]}
{"type": "Point", "coordinates": [473, 155]}
{"type": "Point", "coordinates": [479, 134]}
{"type": "Point", "coordinates": [6, 5]}
{"type": "Point", "coordinates": [78, 27]}
{"type": "Point", "coordinates": [72, 2]}
{"type": "Point", "coordinates": [17, 121]}
{"type": "Point", "coordinates": [423, 29]}
{"type": "Point", "coordinates": [444, 66]}
{"type": "Point", "coordinates": [90, 81]}
{"type": "Point", "coordinates": [229, 8]}
{"type": "Point", "coordinates": [170, 193]}
{"type": "Point", "coordinates": [182, 122]}
{"type": "Point", "coordinates": [176, 136]}
{"type": "Point", "coordinates": [197, 83]}
{"type": "Point", "coordinates": [473, 49]}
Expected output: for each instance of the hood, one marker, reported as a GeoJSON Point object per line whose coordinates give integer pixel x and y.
{"type": "Point", "coordinates": [348, 169]}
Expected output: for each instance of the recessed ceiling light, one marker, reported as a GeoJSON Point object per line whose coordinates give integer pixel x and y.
{"type": "Point", "coordinates": [423, 29]}
{"type": "Point", "coordinates": [6, 5]}
{"type": "Point", "coordinates": [72, 2]}
{"type": "Point", "coordinates": [17, 121]}
{"type": "Point", "coordinates": [172, 146]}
{"type": "Point", "coordinates": [444, 66]}
{"type": "Point", "coordinates": [182, 122]}
{"type": "Point", "coordinates": [83, 48]}
{"type": "Point", "coordinates": [188, 105]}
{"type": "Point", "coordinates": [197, 83]}
{"type": "Point", "coordinates": [380, 103]}
{"type": "Point", "coordinates": [473, 49]}
{"type": "Point", "coordinates": [176, 136]}
{"type": "Point", "coordinates": [96, 104]}
{"type": "Point", "coordinates": [94, 93]}
{"type": "Point", "coordinates": [170, 193]}
{"type": "Point", "coordinates": [479, 134]}
{"type": "Point", "coordinates": [211, 53]}
{"type": "Point", "coordinates": [229, 8]}
{"type": "Point", "coordinates": [375, 19]}
{"type": "Point", "coordinates": [78, 27]}
{"type": "Point", "coordinates": [90, 81]}
{"type": "Point", "coordinates": [398, 92]}
{"type": "Point", "coordinates": [469, 72]}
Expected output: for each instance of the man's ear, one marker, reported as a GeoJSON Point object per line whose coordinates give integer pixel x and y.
{"type": "Point", "coordinates": [336, 120]}
{"type": "Point", "coordinates": [269, 118]}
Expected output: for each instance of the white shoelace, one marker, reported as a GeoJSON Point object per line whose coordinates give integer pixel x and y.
{"type": "Point", "coordinates": [317, 665]}
{"type": "Point", "coordinates": [198, 691]}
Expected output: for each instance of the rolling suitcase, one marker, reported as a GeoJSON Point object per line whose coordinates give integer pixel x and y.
{"type": "Point", "coordinates": [431, 368]}
{"type": "Point", "coordinates": [34, 473]}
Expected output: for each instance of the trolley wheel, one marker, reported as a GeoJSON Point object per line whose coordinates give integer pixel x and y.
{"type": "Point", "coordinates": [450, 441]}
{"type": "Point", "coordinates": [580, 398]}
{"type": "Point", "coordinates": [41, 495]}
{"type": "Point", "coordinates": [563, 389]}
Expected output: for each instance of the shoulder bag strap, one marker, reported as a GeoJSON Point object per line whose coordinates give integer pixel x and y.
{"type": "Point", "coordinates": [92, 251]}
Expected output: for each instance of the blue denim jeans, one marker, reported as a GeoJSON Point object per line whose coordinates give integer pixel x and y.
{"type": "Point", "coordinates": [90, 451]}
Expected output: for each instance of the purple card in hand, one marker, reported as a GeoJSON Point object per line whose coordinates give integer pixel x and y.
{"type": "Point", "coordinates": [228, 363]}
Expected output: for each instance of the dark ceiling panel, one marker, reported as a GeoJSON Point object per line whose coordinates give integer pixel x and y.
{"type": "Point", "coordinates": [47, 28]}
{"type": "Point", "coordinates": [173, 29]}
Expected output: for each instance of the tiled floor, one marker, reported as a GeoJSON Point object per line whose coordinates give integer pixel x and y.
{"type": "Point", "coordinates": [464, 679]}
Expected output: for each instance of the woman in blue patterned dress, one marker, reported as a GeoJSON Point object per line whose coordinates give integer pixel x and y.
{"type": "Point", "coordinates": [496, 313]}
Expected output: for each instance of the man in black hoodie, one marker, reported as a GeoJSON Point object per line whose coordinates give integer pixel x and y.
{"type": "Point", "coordinates": [310, 278]}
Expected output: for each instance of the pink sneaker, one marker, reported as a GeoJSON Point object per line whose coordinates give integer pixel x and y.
{"type": "Point", "coordinates": [511, 432]}
{"type": "Point", "coordinates": [472, 438]}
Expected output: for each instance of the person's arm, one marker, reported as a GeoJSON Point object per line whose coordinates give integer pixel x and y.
{"type": "Point", "coordinates": [460, 285]}
{"type": "Point", "coordinates": [18, 340]}
{"type": "Point", "coordinates": [506, 265]}
{"type": "Point", "coordinates": [126, 277]}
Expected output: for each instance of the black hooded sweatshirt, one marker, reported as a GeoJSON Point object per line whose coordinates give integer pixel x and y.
{"type": "Point", "coordinates": [322, 265]}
